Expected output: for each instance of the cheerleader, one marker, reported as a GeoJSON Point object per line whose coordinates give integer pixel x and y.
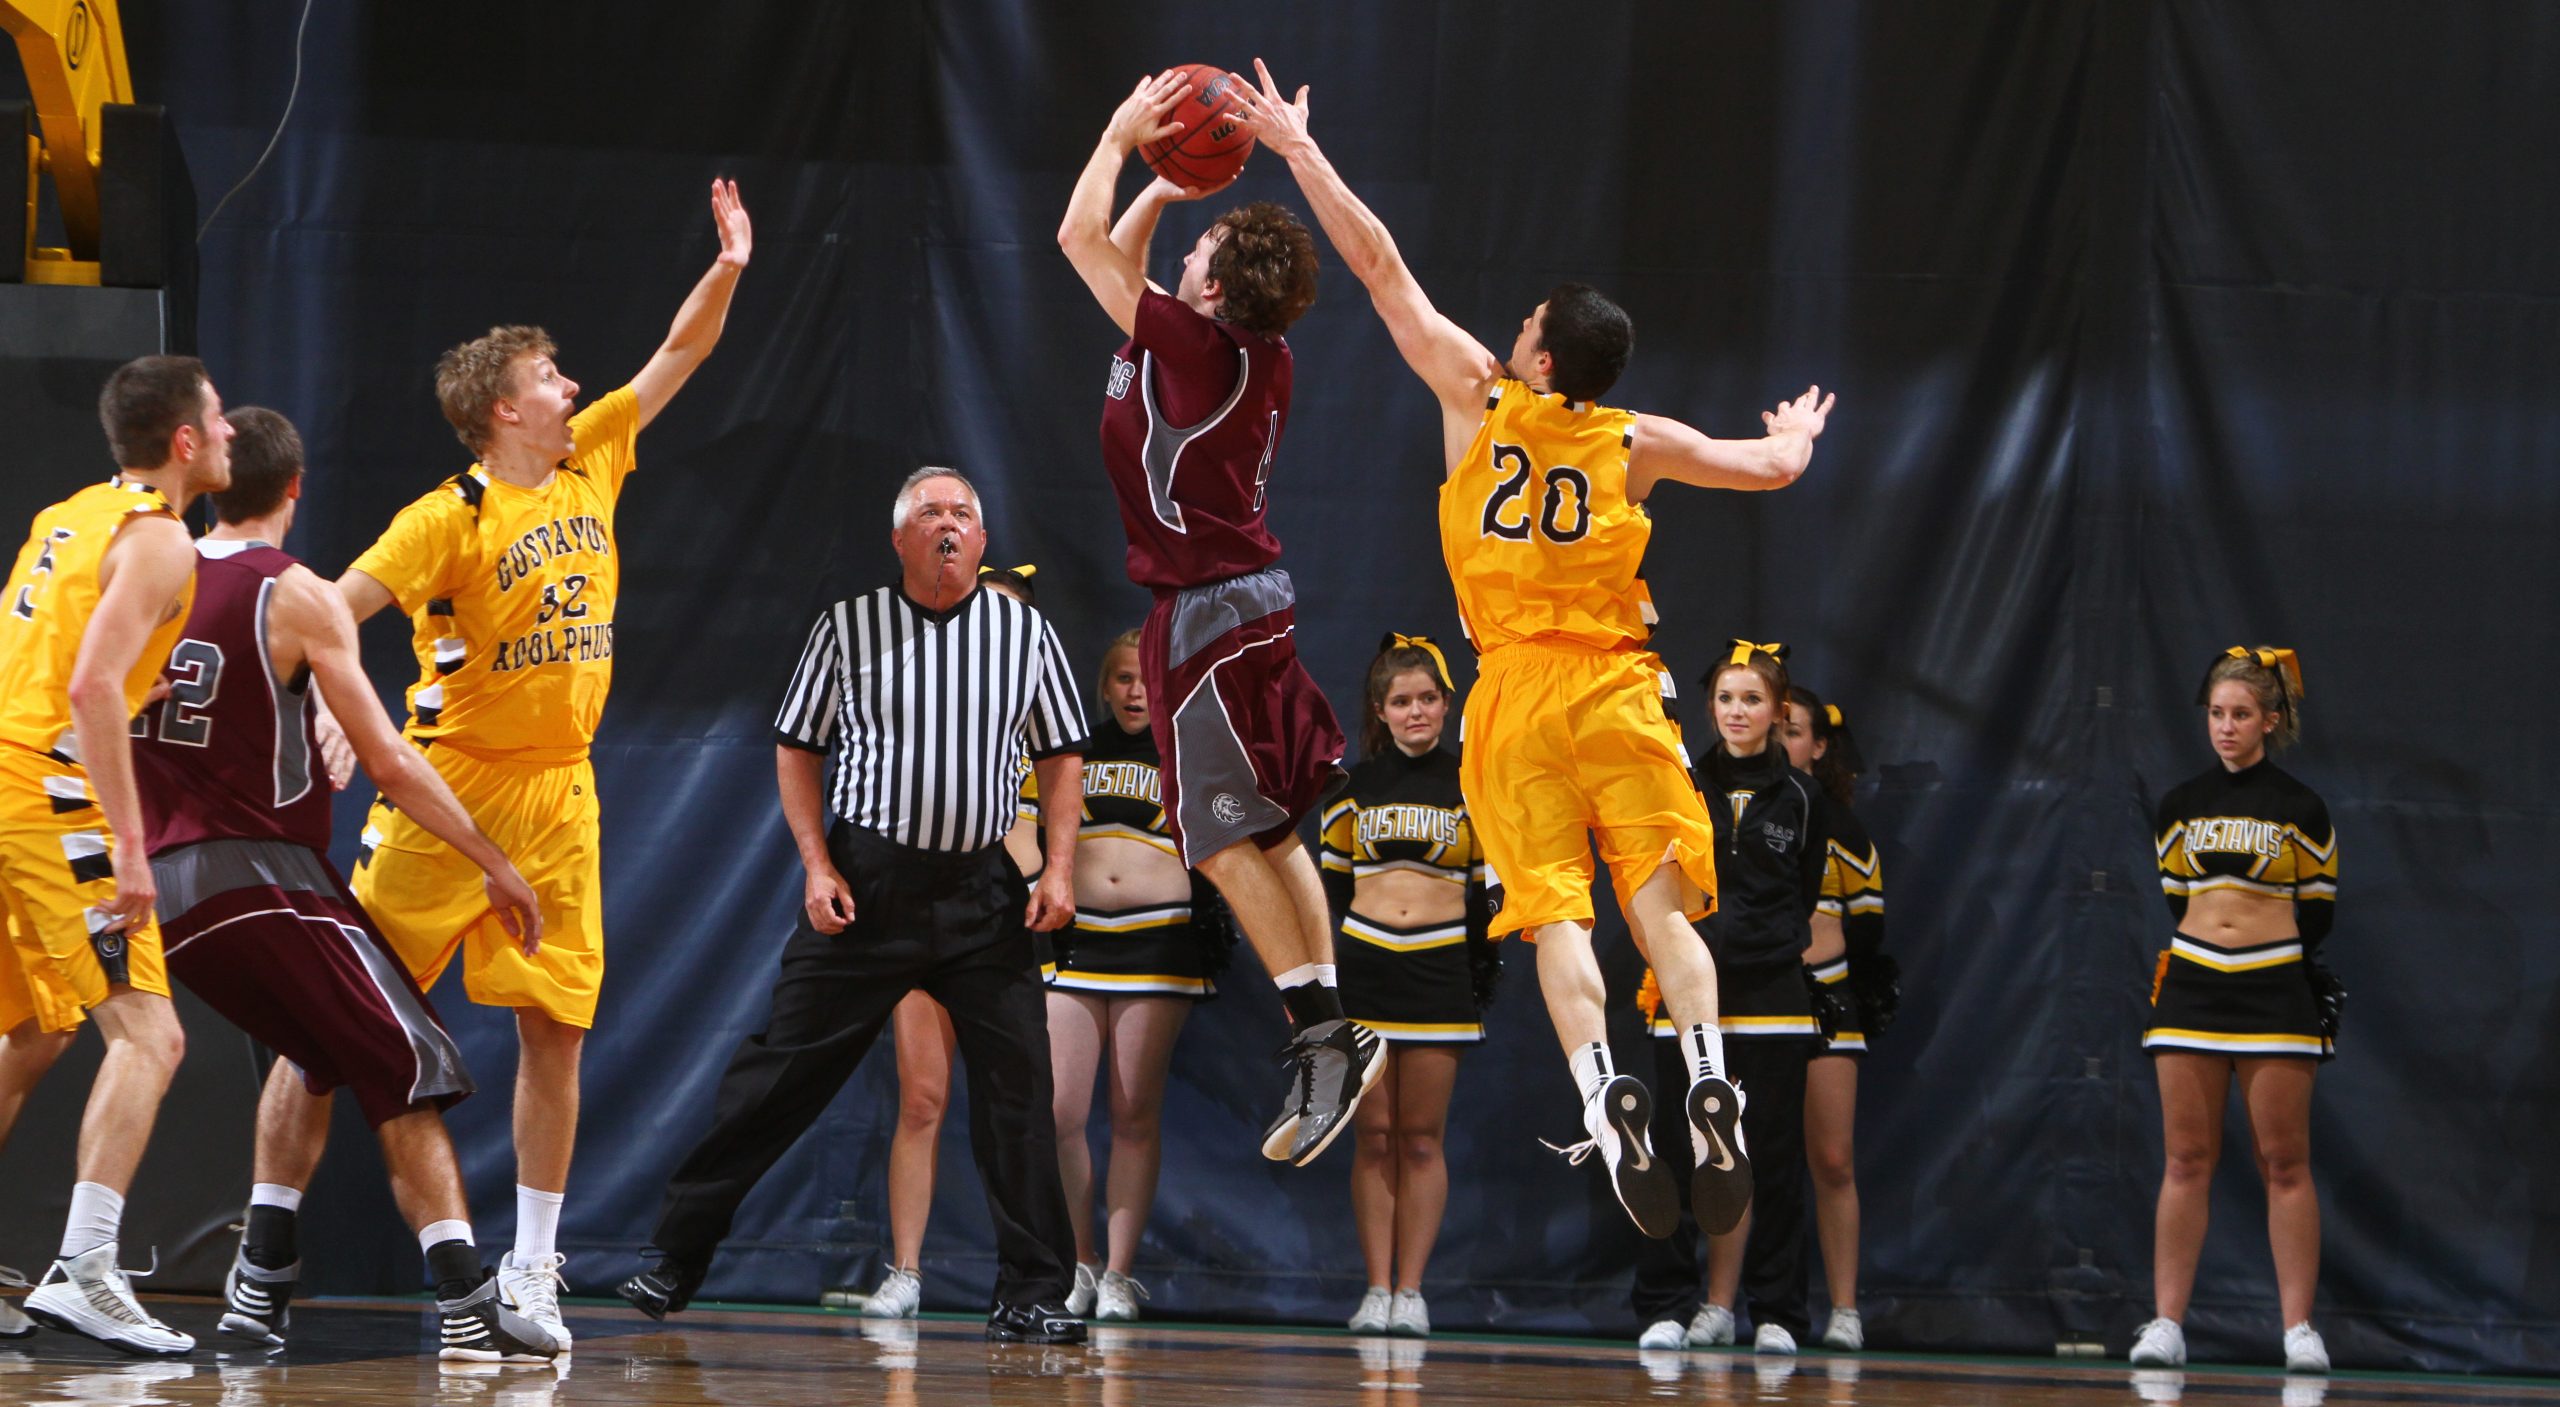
{"type": "Point", "coordinates": [920, 1031]}
{"type": "Point", "coordinates": [2250, 867]}
{"type": "Point", "coordinates": [1769, 860]}
{"type": "Point", "coordinates": [1406, 885]}
{"type": "Point", "coordinates": [1856, 988]}
{"type": "Point", "coordinates": [1144, 947]}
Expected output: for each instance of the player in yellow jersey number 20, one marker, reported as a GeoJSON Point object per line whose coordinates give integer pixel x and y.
{"type": "Point", "coordinates": [1566, 735]}
{"type": "Point", "coordinates": [509, 574]}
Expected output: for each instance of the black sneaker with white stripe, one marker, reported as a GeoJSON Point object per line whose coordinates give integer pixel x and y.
{"type": "Point", "coordinates": [257, 1303]}
{"type": "Point", "coordinates": [1618, 1117]}
{"type": "Point", "coordinates": [1720, 1189]}
{"type": "Point", "coordinates": [1340, 1060]}
{"type": "Point", "coordinates": [478, 1328]}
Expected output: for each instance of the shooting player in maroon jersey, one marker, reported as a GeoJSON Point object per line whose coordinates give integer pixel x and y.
{"type": "Point", "coordinates": [1191, 420]}
{"type": "Point", "coordinates": [256, 920]}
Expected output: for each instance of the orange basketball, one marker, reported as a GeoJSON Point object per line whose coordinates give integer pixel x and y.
{"type": "Point", "coordinates": [1214, 140]}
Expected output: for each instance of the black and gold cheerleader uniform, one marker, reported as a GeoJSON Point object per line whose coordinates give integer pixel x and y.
{"type": "Point", "coordinates": [2261, 832]}
{"type": "Point", "coordinates": [1172, 949]}
{"type": "Point", "coordinates": [1856, 982]}
{"type": "Point", "coordinates": [1406, 813]}
{"type": "Point", "coordinates": [1026, 807]}
{"type": "Point", "coordinates": [1770, 849]}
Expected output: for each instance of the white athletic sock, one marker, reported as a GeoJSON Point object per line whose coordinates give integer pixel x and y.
{"type": "Point", "coordinates": [537, 1221]}
{"type": "Point", "coordinates": [1325, 974]}
{"type": "Point", "coordinates": [1301, 975]}
{"type": "Point", "coordinates": [1591, 1069]}
{"type": "Point", "coordinates": [1703, 1048]}
{"type": "Point", "coordinates": [97, 1216]}
{"type": "Point", "coordinates": [275, 1194]}
{"type": "Point", "coordinates": [436, 1233]}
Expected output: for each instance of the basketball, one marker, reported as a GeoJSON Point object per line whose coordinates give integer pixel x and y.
{"type": "Point", "coordinates": [1214, 140]}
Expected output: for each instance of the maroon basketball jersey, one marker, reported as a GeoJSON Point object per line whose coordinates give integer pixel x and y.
{"type": "Point", "coordinates": [1190, 421]}
{"type": "Point", "coordinates": [231, 753]}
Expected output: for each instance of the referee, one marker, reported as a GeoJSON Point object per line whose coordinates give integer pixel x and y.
{"type": "Point", "coordinates": [927, 693]}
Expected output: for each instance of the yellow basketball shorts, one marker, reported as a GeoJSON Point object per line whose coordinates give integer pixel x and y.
{"type": "Point", "coordinates": [56, 866]}
{"type": "Point", "coordinates": [428, 900]}
{"type": "Point", "coordinates": [1564, 744]}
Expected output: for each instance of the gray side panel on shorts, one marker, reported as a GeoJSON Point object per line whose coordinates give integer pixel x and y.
{"type": "Point", "coordinates": [440, 1068]}
{"type": "Point", "coordinates": [189, 877]}
{"type": "Point", "coordinates": [1220, 802]}
{"type": "Point", "coordinates": [1203, 613]}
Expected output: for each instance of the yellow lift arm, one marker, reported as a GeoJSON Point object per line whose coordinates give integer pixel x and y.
{"type": "Point", "coordinates": [73, 51]}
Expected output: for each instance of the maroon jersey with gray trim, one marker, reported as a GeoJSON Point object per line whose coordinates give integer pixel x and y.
{"type": "Point", "coordinates": [231, 752]}
{"type": "Point", "coordinates": [1190, 421]}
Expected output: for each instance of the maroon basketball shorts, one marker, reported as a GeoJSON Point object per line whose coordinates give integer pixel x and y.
{"type": "Point", "coordinates": [1249, 743]}
{"type": "Point", "coordinates": [267, 934]}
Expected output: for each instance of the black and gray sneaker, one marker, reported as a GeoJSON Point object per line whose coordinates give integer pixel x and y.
{"type": "Point", "coordinates": [1720, 1189]}
{"type": "Point", "coordinates": [1342, 1059]}
{"type": "Point", "coordinates": [1618, 1118]}
{"type": "Point", "coordinates": [1034, 1323]}
{"type": "Point", "coordinates": [478, 1328]}
{"type": "Point", "coordinates": [1278, 1139]}
{"type": "Point", "coordinates": [257, 1303]}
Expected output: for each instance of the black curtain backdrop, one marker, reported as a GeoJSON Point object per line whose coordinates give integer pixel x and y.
{"type": "Point", "coordinates": [2158, 325]}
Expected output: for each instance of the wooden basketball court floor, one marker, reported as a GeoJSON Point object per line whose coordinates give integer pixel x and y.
{"type": "Point", "coordinates": [375, 1352]}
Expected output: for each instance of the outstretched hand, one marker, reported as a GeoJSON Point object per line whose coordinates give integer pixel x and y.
{"type": "Point", "coordinates": [737, 236]}
{"type": "Point", "coordinates": [1806, 413]}
{"type": "Point", "coordinates": [1146, 115]}
{"type": "Point", "coordinates": [1278, 126]}
{"type": "Point", "coordinates": [1165, 192]}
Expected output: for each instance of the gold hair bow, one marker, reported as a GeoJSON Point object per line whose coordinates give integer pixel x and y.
{"type": "Point", "coordinates": [1398, 640]}
{"type": "Point", "coordinates": [2286, 666]}
{"type": "Point", "coordinates": [1742, 650]}
{"type": "Point", "coordinates": [1832, 713]}
{"type": "Point", "coordinates": [1026, 571]}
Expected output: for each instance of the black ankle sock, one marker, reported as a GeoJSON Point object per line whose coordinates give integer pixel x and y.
{"type": "Point", "coordinates": [455, 1267]}
{"type": "Point", "coordinates": [271, 1243]}
{"type": "Point", "coordinates": [1311, 1002]}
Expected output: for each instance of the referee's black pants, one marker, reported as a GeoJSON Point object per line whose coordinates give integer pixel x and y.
{"type": "Point", "coordinates": [950, 924]}
{"type": "Point", "coordinates": [1775, 1284]}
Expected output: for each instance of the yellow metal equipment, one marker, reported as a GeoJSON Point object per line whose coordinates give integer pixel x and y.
{"type": "Point", "coordinates": [73, 51]}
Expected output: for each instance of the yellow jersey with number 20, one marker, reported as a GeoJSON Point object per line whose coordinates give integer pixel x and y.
{"type": "Point", "coordinates": [45, 611]}
{"type": "Point", "coordinates": [510, 592]}
{"type": "Point", "coordinates": [1540, 539]}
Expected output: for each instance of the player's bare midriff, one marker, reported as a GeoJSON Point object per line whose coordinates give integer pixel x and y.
{"type": "Point", "coordinates": [1403, 899]}
{"type": "Point", "coordinates": [1114, 872]}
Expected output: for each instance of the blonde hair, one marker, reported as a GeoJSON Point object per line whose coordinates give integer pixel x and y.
{"type": "Point", "coordinates": [471, 379]}
{"type": "Point", "coordinates": [2268, 688]}
{"type": "Point", "coordinates": [1125, 640]}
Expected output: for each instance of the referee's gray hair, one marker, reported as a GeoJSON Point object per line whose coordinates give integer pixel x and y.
{"type": "Point", "coordinates": [907, 491]}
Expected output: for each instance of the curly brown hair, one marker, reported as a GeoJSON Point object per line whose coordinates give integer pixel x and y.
{"type": "Point", "coordinates": [1265, 265]}
{"type": "Point", "coordinates": [471, 379]}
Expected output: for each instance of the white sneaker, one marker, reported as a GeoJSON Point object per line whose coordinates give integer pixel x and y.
{"type": "Point", "coordinates": [1712, 1328]}
{"type": "Point", "coordinates": [87, 1295]}
{"type": "Point", "coordinates": [1080, 1298]}
{"type": "Point", "coordinates": [897, 1297]}
{"type": "Point", "coordinates": [1371, 1316]}
{"type": "Point", "coordinates": [532, 1289]}
{"type": "Point", "coordinates": [1846, 1332]}
{"type": "Point", "coordinates": [2159, 1344]}
{"type": "Point", "coordinates": [1115, 1298]}
{"type": "Point", "coordinates": [2304, 1352]}
{"type": "Point", "coordinates": [1773, 1338]}
{"type": "Point", "coordinates": [1663, 1333]}
{"type": "Point", "coordinates": [13, 1323]}
{"type": "Point", "coordinates": [2164, 1387]}
{"type": "Point", "coordinates": [1663, 1365]}
{"type": "Point", "coordinates": [1409, 1316]}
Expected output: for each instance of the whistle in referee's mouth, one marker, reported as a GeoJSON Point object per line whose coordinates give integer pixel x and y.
{"type": "Point", "coordinates": [950, 545]}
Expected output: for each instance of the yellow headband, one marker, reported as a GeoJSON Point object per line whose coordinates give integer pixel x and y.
{"type": "Point", "coordinates": [1742, 650]}
{"type": "Point", "coordinates": [1398, 640]}
{"type": "Point", "coordinates": [1026, 571]}
{"type": "Point", "coordinates": [2283, 662]}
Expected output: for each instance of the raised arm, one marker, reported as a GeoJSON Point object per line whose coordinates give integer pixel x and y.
{"type": "Point", "coordinates": [308, 623]}
{"type": "Point", "coordinates": [696, 329]}
{"type": "Point", "coordinates": [1455, 366]}
{"type": "Point", "coordinates": [1115, 272]}
{"type": "Point", "coordinates": [146, 567]}
{"type": "Point", "coordinates": [1668, 449]}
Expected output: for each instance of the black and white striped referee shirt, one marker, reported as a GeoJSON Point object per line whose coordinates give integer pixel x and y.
{"type": "Point", "coordinates": [928, 713]}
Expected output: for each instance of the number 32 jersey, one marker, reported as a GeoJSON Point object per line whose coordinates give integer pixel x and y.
{"type": "Point", "coordinates": [510, 594]}
{"type": "Point", "coordinates": [1540, 539]}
